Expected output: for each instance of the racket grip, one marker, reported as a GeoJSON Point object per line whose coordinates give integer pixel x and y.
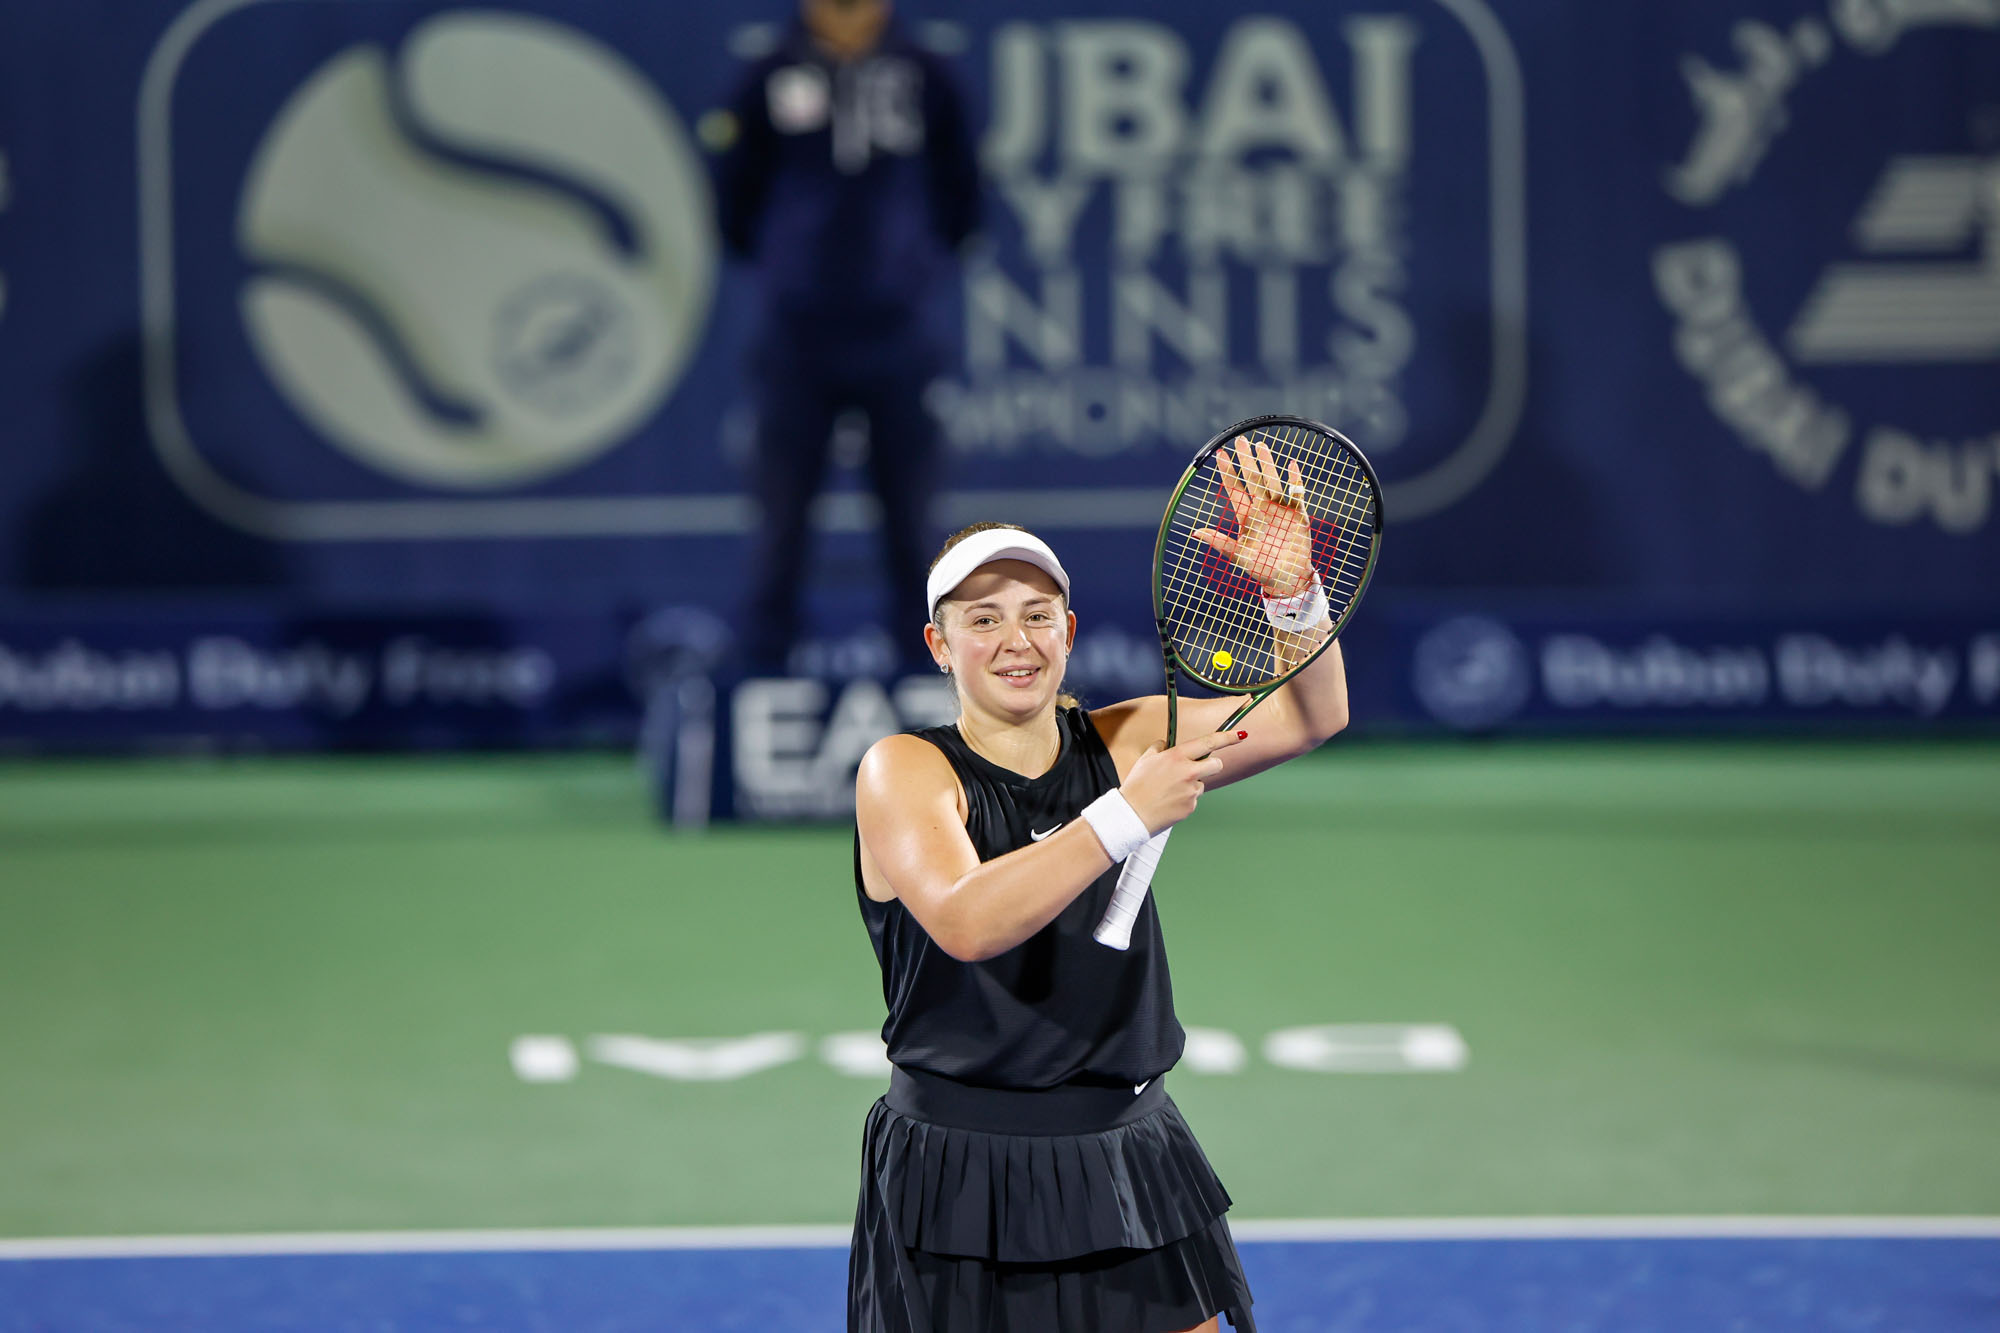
{"type": "Point", "coordinates": [1134, 880]}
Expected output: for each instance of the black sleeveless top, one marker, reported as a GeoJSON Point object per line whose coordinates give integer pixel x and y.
{"type": "Point", "coordinates": [1059, 1007]}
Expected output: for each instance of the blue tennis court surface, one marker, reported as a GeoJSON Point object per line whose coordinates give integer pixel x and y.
{"type": "Point", "coordinates": [1609, 1284]}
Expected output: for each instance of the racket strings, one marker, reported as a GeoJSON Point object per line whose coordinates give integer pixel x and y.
{"type": "Point", "coordinates": [1214, 605]}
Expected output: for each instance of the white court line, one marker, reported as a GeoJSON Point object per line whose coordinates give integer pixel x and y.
{"type": "Point", "coordinates": [1616, 1228]}
{"type": "Point", "coordinates": [429, 1242]}
{"type": "Point", "coordinates": [836, 1236]}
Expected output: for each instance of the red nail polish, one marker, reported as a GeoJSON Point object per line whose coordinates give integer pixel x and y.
{"type": "Point", "coordinates": [1242, 735]}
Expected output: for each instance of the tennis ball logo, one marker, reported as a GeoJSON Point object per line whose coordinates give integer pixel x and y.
{"type": "Point", "coordinates": [480, 260]}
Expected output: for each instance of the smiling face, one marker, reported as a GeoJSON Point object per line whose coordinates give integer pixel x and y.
{"type": "Point", "coordinates": [1006, 638]}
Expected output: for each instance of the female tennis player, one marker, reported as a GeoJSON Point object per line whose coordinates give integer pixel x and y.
{"type": "Point", "coordinates": [1027, 1170]}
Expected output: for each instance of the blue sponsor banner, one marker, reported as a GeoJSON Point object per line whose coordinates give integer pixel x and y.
{"type": "Point", "coordinates": [719, 746]}
{"type": "Point", "coordinates": [114, 677]}
{"type": "Point", "coordinates": [1477, 671]}
{"type": "Point", "coordinates": [366, 308]}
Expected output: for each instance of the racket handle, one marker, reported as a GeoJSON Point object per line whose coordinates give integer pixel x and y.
{"type": "Point", "coordinates": [1115, 930]}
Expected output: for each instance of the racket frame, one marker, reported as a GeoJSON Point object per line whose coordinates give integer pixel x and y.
{"type": "Point", "coordinates": [1169, 652]}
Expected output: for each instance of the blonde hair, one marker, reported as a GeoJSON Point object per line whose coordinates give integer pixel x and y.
{"type": "Point", "coordinates": [1063, 699]}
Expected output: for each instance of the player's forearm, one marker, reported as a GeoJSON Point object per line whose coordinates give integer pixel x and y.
{"type": "Point", "coordinates": [1289, 649]}
{"type": "Point", "coordinates": [1315, 701]}
{"type": "Point", "coordinates": [1002, 902]}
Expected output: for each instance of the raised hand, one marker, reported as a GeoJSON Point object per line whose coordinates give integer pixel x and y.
{"type": "Point", "coordinates": [1273, 544]}
{"type": "Point", "coordinates": [1164, 784]}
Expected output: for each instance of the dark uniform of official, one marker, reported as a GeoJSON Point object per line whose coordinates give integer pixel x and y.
{"type": "Point", "coordinates": [1026, 1170]}
{"type": "Point", "coordinates": [849, 185]}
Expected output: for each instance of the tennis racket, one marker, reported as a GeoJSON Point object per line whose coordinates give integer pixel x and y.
{"type": "Point", "coordinates": [1270, 508]}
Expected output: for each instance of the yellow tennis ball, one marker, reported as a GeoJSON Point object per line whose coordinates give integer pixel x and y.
{"type": "Point", "coordinates": [1223, 659]}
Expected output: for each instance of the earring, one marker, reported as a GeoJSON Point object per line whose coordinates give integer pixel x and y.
{"type": "Point", "coordinates": [945, 667]}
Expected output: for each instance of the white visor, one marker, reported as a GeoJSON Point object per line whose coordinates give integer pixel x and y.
{"type": "Point", "coordinates": [983, 548]}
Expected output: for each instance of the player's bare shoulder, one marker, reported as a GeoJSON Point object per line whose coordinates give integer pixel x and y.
{"type": "Point", "coordinates": [894, 760]}
{"type": "Point", "coordinates": [905, 790]}
{"type": "Point", "coordinates": [903, 774]}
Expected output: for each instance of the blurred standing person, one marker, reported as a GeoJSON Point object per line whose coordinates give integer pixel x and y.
{"type": "Point", "coordinates": [848, 179]}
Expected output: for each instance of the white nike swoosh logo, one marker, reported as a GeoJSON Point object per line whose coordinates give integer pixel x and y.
{"type": "Point", "coordinates": [1138, 1088]}
{"type": "Point", "coordinates": [1037, 837]}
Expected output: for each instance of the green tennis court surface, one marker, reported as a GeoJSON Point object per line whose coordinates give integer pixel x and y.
{"type": "Point", "coordinates": [1691, 979]}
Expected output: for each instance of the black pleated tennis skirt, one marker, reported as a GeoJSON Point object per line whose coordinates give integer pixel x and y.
{"type": "Point", "coordinates": [1072, 1210]}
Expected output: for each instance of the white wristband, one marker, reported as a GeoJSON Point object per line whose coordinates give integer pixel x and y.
{"type": "Point", "coordinates": [1299, 613]}
{"type": "Point", "coordinates": [1116, 824]}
